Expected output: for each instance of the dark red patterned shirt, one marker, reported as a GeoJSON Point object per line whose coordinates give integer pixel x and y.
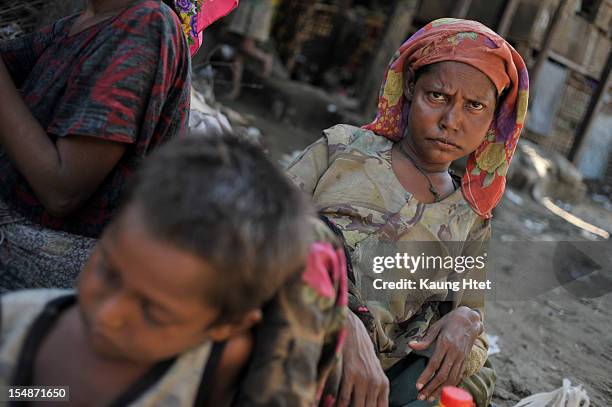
{"type": "Point", "coordinates": [126, 79]}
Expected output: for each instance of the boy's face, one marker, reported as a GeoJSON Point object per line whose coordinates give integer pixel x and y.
{"type": "Point", "coordinates": [142, 299]}
{"type": "Point", "coordinates": [452, 107]}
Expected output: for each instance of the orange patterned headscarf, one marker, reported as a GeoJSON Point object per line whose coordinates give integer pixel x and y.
{"type": "Point", "coordinates": [470, 42]}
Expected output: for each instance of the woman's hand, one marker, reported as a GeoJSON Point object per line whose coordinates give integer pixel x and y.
{"type": "Point", "coordinates": [364, 383]}
{"type": "Point", "coordinates": [454, 335]}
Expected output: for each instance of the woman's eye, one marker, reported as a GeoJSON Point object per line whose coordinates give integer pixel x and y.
{"type": "Point", "coordinates": [437, 96]}
{"type": "Point", "coordinates": [476, 106]}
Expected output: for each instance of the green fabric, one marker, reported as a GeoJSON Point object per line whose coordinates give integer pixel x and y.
{"type": "Point", "coordinates": [402, 382]}
{"type": "Point", "coordinates": [481, 385]}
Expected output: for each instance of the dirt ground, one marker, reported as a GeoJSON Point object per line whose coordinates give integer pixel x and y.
{"type": "Point", "coordinates": [542, 339]}
{"type": "Point", "coordinates": [556, 334]}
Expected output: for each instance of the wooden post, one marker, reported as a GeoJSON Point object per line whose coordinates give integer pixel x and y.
{"type": "Point", "coordinates": [589, 117]}
{"type": "Point", "coordinates": [547, 42]}
{"type": "Point", "coordinates": [300, 37]}
{"type": "Point", "coordinates": [507, 16]}
{"type": "Point", "coordinates": [461, 8]}
{"type": "Point", "coordinates": [397, 30]}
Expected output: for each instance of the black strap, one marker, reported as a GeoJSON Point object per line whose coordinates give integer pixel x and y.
{"type": "Point", "coordinates": [349, 264]}
{"type": "Point", "coordinates": [140, 386]}
{"type": "Point", "coordinates": [445, 307]}
{"type": "Point", "coordinates": [206, 382]}
{"type": "Point", "coordinates": [456, 180]}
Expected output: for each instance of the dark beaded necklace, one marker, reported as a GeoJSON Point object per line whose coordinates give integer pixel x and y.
{"type": "Point", "coordinates": [424, 172]}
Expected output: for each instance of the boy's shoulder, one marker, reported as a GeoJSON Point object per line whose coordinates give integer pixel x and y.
{"type": "Point", "coordinates": [32, 297]}
{"type": "Point", "coordinates": [18, 311]}
{"type": "Point", "coordinates": [19, 307]}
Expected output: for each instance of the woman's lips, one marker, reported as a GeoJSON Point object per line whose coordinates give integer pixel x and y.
{"type": "Point", "coordinates": [443, 144]}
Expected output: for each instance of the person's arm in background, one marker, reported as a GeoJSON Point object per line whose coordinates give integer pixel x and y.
{"type": "Point", "coordinates": [63, 174]}
{"type": "Point", "coordinates": [459, 336]}
{"type": "Point", "coordinates": [101, 112]}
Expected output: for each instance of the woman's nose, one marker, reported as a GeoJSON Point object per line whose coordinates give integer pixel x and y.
{"type": "Point", "coordinates": [451, 119]}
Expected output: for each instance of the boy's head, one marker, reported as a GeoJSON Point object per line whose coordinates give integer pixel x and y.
{"type": "Point", "coordinates": [209, 232]}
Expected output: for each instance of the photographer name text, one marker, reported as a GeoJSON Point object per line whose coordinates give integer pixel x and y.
{"type": "Point", "coordinates": [445, 264]}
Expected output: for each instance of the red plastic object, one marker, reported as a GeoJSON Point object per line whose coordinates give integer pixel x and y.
{"type": "Point", "coordinates": [455, 397]}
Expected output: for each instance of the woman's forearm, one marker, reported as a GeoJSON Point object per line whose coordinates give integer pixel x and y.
{"type": "Point", "coordinates": [26, 143]}
{"type": "Point", "coordinates": [62, 174]}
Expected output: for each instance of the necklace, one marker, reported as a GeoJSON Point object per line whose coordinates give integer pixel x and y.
{"type": "Point", "coordinates": [424, 172]}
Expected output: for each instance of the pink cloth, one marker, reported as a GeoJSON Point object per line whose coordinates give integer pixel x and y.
{"type": "Point", "coordinates": [196, 15]}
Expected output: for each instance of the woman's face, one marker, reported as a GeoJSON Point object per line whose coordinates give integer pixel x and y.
{"type": "Point", "coordinates": [452, 107]}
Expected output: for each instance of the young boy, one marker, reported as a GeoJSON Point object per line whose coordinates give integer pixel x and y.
{"type": "Point", "coordinates": [165, 303]}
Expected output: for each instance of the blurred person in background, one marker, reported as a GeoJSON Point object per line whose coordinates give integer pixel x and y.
{"type": "Point", "coordinates": [82, 102]}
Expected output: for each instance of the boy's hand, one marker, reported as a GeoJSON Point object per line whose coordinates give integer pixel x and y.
{"type": "Point", "coordinates": [364, 382]}
{"type": "Point", "coordinates": [454, 336]}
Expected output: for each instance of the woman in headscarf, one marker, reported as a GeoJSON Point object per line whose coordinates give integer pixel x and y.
{"type": "Point", "coordinates": [82, 102]}
{"type": "Point", "coordinates": [454, 89]}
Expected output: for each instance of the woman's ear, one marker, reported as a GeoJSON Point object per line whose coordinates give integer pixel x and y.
{"type": "Point", "coordinates": [409, 90]}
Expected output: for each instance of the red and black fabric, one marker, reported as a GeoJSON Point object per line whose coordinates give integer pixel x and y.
{"type": "Point", "coordinates": [125, 80]}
